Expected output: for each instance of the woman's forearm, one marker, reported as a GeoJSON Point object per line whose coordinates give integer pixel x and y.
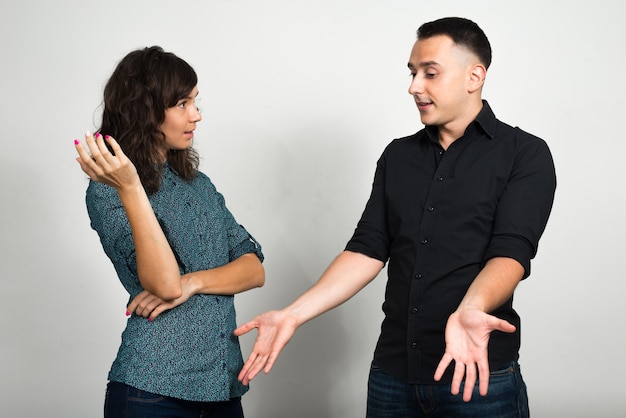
{"type": "Point", "coordinates": [241, 274]}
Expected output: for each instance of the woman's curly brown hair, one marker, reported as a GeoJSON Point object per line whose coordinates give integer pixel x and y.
{"type": "Point", "coordinates": [144, 84]}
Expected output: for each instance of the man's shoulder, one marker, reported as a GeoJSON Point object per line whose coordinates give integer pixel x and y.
{"type": "Point", "coordinates": [501, 130]}
{"type": "Point", "coordinates": [506, 132]}
{"type": "Point", "coordinates": [413, 139]}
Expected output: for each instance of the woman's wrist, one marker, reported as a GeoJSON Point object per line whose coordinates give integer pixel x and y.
{"type": "Point", "coordinates": [192, 282]}
{"type": "Point", "coordinates": [129, 190]}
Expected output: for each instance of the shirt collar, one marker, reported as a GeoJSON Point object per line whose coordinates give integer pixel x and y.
{"type": "Point", "coordinates": [485, 121]}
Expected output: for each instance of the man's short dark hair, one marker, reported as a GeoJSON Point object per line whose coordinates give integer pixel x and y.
{"type": "Point", "coordinates": [463, 32]}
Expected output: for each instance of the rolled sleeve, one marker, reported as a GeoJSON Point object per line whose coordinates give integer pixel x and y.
{"type": "Point", "coordinates": [371, 236]}
{"type": "Point", "coordinates": [525, 205]}
{"type": "Point", "coordinates": [248, 245]}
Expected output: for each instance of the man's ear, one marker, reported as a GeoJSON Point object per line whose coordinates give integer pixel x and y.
{"type": "Point", "coordinates": [476, 77]}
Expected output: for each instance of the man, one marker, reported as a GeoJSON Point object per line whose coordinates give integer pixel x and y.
{"type": "Point", "coordinates": [457, 209]}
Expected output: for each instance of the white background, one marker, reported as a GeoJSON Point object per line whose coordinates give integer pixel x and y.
{"type": "Point", "coordinates": [299, 100]}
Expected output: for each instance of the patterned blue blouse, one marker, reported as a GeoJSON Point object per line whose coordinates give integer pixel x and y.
{"type": "Point", "coordinates": [188, 352]}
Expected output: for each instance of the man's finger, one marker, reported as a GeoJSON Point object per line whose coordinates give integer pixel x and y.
{"type": "Point", "coordinates": [442, 366]}
{"type": "Point", "coordinates": [470, 382]}
{"type": "Point", "coordinates": [483, 377]}
{"type": "Point", "coordinates": [245, 328]}
{"type": "Point", "coordinates": [457, 378]}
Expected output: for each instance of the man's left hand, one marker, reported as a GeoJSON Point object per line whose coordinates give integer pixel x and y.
{"type": "Point", "coordinates": [467, 337]}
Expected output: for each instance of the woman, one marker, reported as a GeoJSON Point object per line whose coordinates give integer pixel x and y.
{"type": "Point", "coordinates": [176, 248]}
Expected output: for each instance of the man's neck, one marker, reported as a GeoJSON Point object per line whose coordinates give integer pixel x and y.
{"type": "Point", "coordinates": [452, 131]}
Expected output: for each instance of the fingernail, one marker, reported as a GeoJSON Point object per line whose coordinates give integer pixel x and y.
{"type": "Point", "coordinates": [87, 133]}
{"type": "Point", "coordinates": [149, 319]}
{"type": "Point", "coordinates": [97, 135]}
{"type": "Point", "coordinates": [127, 313]}
{"type": "Point", "coordinates": [107, 137]}
{"type": "Point", "coordinates": [76, 142]}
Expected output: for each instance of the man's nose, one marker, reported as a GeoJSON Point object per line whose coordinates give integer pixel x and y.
{"type": "Point", "coordinates": [416, 86]}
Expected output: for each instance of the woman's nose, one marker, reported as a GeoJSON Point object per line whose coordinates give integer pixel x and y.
{"type": "Point", "coordinates": [196, 115]}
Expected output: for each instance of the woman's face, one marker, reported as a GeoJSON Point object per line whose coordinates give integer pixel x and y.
{"type": "Point", "coordinates": [180, 122]}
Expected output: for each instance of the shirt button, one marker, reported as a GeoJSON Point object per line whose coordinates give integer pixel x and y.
{"type": "Point", "coordinates": [418, 276]}
{"type": "Point", "coordinates": [431, 209]}
{"type": "Point", "coordinates": [440, 178]}
{"type": "Point", "coordinates": [424, 241]}
{"type": "Point", "coordinates": [413, 345]}
{"type": "Point", "coordinates": [414, 310]}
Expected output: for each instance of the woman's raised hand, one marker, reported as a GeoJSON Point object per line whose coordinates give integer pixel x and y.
{"type": "Point", "coordinates": [114, 169]}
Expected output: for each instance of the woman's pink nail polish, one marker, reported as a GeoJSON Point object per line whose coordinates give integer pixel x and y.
{"type": "Point", "coordinates": [127, 313]}
{"type": "Point", "coordinates": [107, 137]}
{"type": "Point", "coordinates": [97, 134]}
{"type": "Point", "coordinates": [149, 319]}
{"type": "Point", "coordinates": [76, 142]}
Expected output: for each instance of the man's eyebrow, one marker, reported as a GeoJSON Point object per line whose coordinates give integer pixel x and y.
{"type": "Point", "coordinates": [424, 64]}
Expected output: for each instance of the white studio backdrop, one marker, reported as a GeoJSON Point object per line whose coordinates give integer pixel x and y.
{"type": "Point", "coordinates": [299, 99]}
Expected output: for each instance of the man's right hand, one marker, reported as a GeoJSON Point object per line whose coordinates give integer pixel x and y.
{"type": "Point", "coordinates": [275, 329]}
{"type": "Point", "coordinates": [345, 277]}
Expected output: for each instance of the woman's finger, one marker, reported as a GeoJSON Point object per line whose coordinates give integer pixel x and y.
{"type": "Point", "coordinates": [101, 143]}
{"type": "Point", "coordinates": [111, 151]}
{"type": "Point", "coordinates": [87, 164]}
{"type": "Point", "coordinates": [82, 151]}
{"type": "Point", "coordinates": [117, 150]}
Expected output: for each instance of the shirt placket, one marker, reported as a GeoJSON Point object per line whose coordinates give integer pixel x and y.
{"type": "Point", "coordinates": [426, 243]}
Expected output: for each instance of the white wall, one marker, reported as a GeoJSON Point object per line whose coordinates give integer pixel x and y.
{"type": "Point", "coordinates": [299, 100]}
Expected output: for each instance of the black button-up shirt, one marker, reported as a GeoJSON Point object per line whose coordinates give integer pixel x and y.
{"type": "Point", "coordinates": [438, 216]}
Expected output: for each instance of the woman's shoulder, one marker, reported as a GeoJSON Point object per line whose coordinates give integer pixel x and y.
{"type": "Point", "coordinates": [97, 190]}
{"type": "Point", "coordinates": [100, 196]}
{"type": "Point", "coordinates": [203, 180]}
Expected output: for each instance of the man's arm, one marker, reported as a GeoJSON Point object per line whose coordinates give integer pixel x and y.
{"type": "Point", "coordinates": [345, 277]}
{"type": "Point", "coordinates": [521, 216]}
{"type": "Point", "coordinates": [470, 326]}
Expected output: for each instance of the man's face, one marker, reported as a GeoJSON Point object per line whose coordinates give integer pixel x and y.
{"type": "Point", "coordinates": [441, 73]}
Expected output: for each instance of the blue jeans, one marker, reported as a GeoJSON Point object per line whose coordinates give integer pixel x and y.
{"type": "Point", "coordinates": [389, 397]}
{"type": "Point", "coordinates": [123, 401]}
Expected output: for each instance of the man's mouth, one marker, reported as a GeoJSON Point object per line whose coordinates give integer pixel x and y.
{"type": "Point", "coordinates": [423, 105]}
